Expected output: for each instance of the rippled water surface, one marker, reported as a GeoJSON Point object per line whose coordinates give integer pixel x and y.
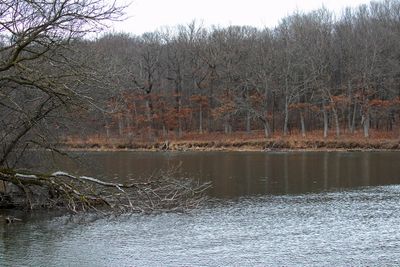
{"type": "Point", "coordinates": [348, 216]}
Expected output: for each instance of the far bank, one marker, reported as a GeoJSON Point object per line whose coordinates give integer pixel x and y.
{"type": "Point", "coordinates": [237, 142]}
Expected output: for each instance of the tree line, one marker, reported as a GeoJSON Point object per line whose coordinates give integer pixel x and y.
{"type": "Point", "coordinates": [313, 71]}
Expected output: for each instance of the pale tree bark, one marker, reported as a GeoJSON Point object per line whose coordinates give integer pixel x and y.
{"type": "Point", "coordinates": [353, 118]}
{"type": "Point", "coordinates": [365, 121]}
{"type": "Point", "coordinates": [303, 124]}
{"type": "Point", "coordinates": [337, 124]}
{"type": "Point", "coordinates": [286, 118]}
{"type": "Point", "coordinates": [325, 115]}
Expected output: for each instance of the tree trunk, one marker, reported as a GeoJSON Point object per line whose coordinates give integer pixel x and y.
{"type": "Point", "coordinates": [227, 126]}
{"type": "Point", "coordinates": [267, 130]}
{"type": "Point", "coordinates": [149, 115]}
{"type": "Point", "coordinates": [120, 125]}
{"type": "Point", "coordinates": [365, 122]}
{"type": "Point", "coordinates": [303, 125]}
{"type": "Point", "coordinates": [107, 131]}
{"type": "Point", "coordinates": [353, 119]}
{"type": "Point", "coordinates": [211, 99]}
{"type": "Point", "coordinates": [136, 115]}
{"type": "Point", "coordinates": [273, 112]}
{"type": "Point", "coordinates": [286, 121]}
{"type": "Point", "coordinates": [178, 107]}
{"type": "Point", "coordinates": [248, 122]}
{"type": "Point", "coordinates": [129, 124]}
{"type": "Point", "coordinates": [201, 119]}
{"type": "Point", "coordinates": [351, 113]}
{"type": "Point", "coordinates": [325, 122]}
{"type": "Point", "coordinates": [107, 126]}
{"type": "Point", "coordinates": [337, 125]}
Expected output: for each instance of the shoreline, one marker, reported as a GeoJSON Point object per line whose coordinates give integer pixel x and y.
{"type": "Point", "coordinates": [270, 145]}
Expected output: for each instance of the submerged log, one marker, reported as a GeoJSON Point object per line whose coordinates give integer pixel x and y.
{"type": "Point", "coordinates": [11, 219]}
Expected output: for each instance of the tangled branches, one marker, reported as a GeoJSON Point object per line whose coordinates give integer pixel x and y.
{"type": "Point", "coordinates": [81, 193]}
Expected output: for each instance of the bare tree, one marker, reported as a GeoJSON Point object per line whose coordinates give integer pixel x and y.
{"type": "Point", "coordinates": [39, 73]}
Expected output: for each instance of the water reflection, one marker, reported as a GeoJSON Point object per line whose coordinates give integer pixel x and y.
{"type": "Point", "coordinates": [237, 174]}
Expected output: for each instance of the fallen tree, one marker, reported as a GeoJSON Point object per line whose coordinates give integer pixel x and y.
{"type": "Point", "coordinates": [61, 190]}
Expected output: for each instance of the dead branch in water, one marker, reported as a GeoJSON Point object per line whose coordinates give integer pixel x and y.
{"type": "Point", "coordinates": [83, 193]}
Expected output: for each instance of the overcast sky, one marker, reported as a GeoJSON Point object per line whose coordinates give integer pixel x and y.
{"type": "Point", "coordinates": [150, 15]}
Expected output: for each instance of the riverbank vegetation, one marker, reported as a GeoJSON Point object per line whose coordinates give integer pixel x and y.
{"type": "Point", "coordinates": [241, 141]}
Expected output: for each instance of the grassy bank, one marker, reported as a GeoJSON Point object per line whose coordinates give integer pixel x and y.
{"type": "Point", "coordinates": [240, 142]}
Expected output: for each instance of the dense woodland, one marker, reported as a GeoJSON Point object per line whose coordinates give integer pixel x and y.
{"type": "Point", "coordinates": [315, 71]}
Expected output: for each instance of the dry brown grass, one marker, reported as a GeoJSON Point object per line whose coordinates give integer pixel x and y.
{"type": "Point", "coordinates": [242, 141]}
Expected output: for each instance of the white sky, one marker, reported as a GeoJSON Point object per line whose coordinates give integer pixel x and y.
{"type": "Point", "coordinates": [150, 15]}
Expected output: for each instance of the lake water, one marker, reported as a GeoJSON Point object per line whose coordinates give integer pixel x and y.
{"type": "Point", "coordinates": [274, 209]}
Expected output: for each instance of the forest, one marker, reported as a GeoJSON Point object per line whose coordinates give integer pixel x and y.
{"type": "Point", "coordinates": [314, 71]}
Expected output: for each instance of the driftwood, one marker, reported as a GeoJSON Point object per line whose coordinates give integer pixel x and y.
{"type": "Point", "coordinates": [61, 190]}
